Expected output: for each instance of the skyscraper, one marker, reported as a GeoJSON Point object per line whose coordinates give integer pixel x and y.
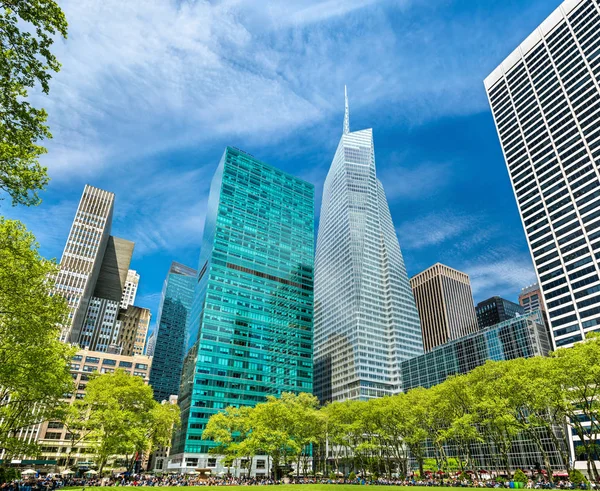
{"type": "Point", "coordinates": [95, 278]}
{"type": "Point", "coordinates": [99, 329]}
{"type": "Point", "coordinates": [168, 351]}
{"type": "Point", "coordinates": [82, 256]}
{"type": "Point", "coordinates": [250, 331]}
{"type": "Point", "coordinates": [150, 344]}
{"type": "Point", "coordinates": [130, 290]}
{"type": "Point", "coordinates": [531, 299]}
{"type": "Point", "coordinates": [445, 304]}
{"type": "Point", "coordinates": [366, 321]}
{"type": "Point", "coordinates": [495, 310]}
{"type": "Point", "coordinates": [545, 98]}
{"type": "Point", "coordinates": [132, 326]}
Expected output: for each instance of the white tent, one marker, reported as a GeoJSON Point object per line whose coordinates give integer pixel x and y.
{"type": "Point", "coordinates": [91, 472]}
{"type": "Point", "coordinates": [28, 472]}
{"type": "Point", "coordinates": [67, 472]}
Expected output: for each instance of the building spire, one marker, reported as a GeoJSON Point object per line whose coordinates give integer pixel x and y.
{"type": "Point", "coordinates": [346, 113]}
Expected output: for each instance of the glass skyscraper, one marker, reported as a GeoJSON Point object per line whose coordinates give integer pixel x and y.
{"type": "Point", "coordinates": [168, 346]}
{"type": "Point", "coordinates": [250, 331]}
{"type": "Point", "coordinates": [366, 321]}
{"type": "Point", "coordinates": [545, 98]}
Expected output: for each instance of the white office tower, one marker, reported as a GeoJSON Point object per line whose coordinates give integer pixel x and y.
{"type": "Point", "coordinates": [366, 321]}
{"type": "Point", "coordinates": [545, 98]}
{"type": "Point", "coordinates": [83, 255]}
{"type": "Point", "coordinates": [130, 290]}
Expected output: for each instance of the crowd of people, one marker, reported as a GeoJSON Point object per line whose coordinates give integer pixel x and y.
{"type": "Point", "coordinates": [51, 483]}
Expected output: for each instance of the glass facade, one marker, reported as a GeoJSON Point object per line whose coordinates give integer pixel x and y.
{"type": "Point", "coordinates": [495, 310]}
{"type": "Point", "coordinates": [168, 346]}
{"type": "Point", "coordinates": [545, 98]}
{"type": "Point", "coordinates": [366, 321]}
{"type": "Point", "coordinates": [250, 331]}
{"type": "Point", "coordinates": [521, 337]}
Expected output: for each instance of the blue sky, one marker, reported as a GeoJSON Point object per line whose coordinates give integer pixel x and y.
{"type": "Point", "coordinates": [151, 91]}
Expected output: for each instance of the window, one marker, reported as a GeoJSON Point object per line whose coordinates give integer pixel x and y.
{"type": "Point", "coordinates": [109, 362]}
{"type": "Point", "coordinates": [50, 435]}
{"type": "Point", "coordinates": [92, 359]}
{"type": "Point", "coordinates": [212, 462]}
{"type": "Point", "coordinates": [125, 364]}
{"type": "Point", "coordinates": [141, 366]}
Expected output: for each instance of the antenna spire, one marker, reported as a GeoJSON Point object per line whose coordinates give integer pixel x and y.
{"type": "Point", "coordinates": [346, 113]}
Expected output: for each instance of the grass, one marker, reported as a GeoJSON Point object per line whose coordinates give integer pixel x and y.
{"type": "Point", "coordinates": [287, 487]}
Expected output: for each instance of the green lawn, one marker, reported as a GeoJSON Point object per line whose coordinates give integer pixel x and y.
{"type": "Point", "coordinates": [288, 487]}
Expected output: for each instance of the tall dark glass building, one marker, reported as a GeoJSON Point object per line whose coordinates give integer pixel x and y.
{"type": "Point", "coordinates": [496, 309]}
{"type": "Point", "coordinates": [250, 331]}
{"type": "Point", "coordinates": [175, 305]}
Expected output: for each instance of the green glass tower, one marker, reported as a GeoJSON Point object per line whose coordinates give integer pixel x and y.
{"type": "Point", "coordinates": [249, 333]}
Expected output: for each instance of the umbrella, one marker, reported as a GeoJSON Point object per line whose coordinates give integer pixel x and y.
{"type": "Point", "coordinates": [92, 472]}
{"type": "Point", "coordinates": [193, 473]}
{"type": "Point", "coordinates": [67, 471]}
{"type": "Point", "coordinates": [28, 472]}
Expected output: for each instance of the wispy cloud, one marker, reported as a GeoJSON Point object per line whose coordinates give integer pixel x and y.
{"type": "Point", "coordinates": [500, 272]}
{"type": "Point", "coordinates": [147, 76]}
{"type": "Point", "coordinates": [445, 227]}
{"type": "Point", "coordinates": [421, 181]}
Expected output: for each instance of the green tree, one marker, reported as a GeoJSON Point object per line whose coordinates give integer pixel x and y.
{"type": "Point", "coordinates": [123, 417]}
{"type": "Point", "coordinates": [34, 365]}
{"type": "Point", "coordinates": [27, 31]}
{"type": "Point", "coordinates": [576, 378]}
{"type": "Point", "coordinates": [519, 476]}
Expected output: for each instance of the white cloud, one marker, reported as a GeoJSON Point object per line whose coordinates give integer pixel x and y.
{"type": "Point", "coordinates": [501, 273]}
{"type": "Point", "coordinates": [438, 228]}
{"type": "Point", "coordinates": [143, 77]}
{"type": "Point", "coordinates": [418, 182]}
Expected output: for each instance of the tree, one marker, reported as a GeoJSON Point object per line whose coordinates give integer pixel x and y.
{"type": "Point", "coordinates": [27, 31]}
{"type": "Point", "coordinates": [577, 379]}
{"type": "Point", "coordinates": [34, 365]}
{"type": "Point", "coordinates": [519, 476]}
{"type": "Point", "coordinates": [123, 417]}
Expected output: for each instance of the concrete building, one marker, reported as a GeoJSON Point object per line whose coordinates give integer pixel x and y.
{"type": "Point", "coordinates": [132, 326]}
{"type": "Point", "coordinates": [53, 436]}
{"type": "Point", "coordinates": [545, 98]}
{"type": "Point", "coordinates": [531, 299]}
{"type": "Point", "coordinates": [96, 280]}
{"type": "Point", "coordinates": [130, 289]}
{"type": "Point", "coordinates": [445, 303]}
{"type": "Point", "coordinates": [366, 321]}
{"type": "Point", "coordinates": [82, 257]}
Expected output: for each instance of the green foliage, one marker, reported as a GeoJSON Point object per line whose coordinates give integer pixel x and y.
{"type": "Point", "coordinates": [352, 476]}
{"type": "Point", "coordinates": [577, 477]}
{"type": "Point", "coordinates": [495, 403]}
{"type": "Point", "coordinates": [520, 476]}
{"type": "Point", "coordinates": [27, 32]}
{"type": "Point", "coordinates": [34, 365]}
{"type": "Point", "coordinates": [123, 418]}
